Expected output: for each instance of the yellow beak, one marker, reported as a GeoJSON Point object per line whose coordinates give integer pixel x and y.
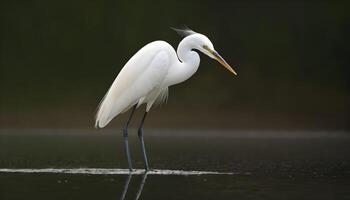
{"type": "Point", "coordinates": [222, 61]}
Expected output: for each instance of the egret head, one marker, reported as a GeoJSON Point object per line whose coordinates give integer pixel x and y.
{"type": "Point", "coordinates": [203, 44]}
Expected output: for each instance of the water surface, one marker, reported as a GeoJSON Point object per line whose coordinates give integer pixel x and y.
{"type": "Point", "coordinates": [240, 165]}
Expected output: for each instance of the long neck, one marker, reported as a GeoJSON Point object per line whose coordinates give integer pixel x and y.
{"type": "Point", "coordinates": [184, 50]}
{"type": "Point", "coordinates": [189, 61]}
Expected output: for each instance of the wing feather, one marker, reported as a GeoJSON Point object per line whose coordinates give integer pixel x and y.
{"type": "Point", "coordinates": [140, 75]}
{"type": "Point", "coordinates": [162, 97]}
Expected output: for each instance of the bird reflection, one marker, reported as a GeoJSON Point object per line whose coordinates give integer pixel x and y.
{"type": "Point", "coordinates": [126, 186]}
{"type": "Point", "coordinates": [127, 183]}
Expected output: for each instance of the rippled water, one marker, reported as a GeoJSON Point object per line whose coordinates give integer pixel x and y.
{"type": "Point", "coordinates": [102, 171]}
{"type": "Point", "coordinates": [187, 164]}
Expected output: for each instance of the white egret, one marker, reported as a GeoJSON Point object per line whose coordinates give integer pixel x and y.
{"type": "Point", "coordinates": [145, 79]}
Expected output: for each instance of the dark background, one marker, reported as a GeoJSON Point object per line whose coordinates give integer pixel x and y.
{"type": "Point", "coordinates": [58, 58]}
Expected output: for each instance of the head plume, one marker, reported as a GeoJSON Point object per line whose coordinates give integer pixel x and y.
{"type": "Point", "coordinates": [184, 32]}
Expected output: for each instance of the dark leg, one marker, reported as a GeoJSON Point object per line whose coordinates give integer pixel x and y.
{"type": "Point", "coordinates": [140, 134]}
{"type": "Point", "coordinates": [125, 135]}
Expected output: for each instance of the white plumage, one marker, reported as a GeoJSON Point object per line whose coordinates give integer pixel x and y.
{"type": "Point", "coordinates": [145, 78]}
{"type": "Point", "coordinates": [143, 73]}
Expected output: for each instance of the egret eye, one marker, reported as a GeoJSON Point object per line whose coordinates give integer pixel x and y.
{"type": "Point", "coordinates": [206, 47]}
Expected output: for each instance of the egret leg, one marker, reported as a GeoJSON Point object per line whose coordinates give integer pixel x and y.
{"type": "Point", "coordinates": [126, 141]}
{"type": "Point", "coordinates": [140, 134]}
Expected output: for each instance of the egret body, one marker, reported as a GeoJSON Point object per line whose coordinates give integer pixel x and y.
{"type": "Point", "coordinates": [145, 79]}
